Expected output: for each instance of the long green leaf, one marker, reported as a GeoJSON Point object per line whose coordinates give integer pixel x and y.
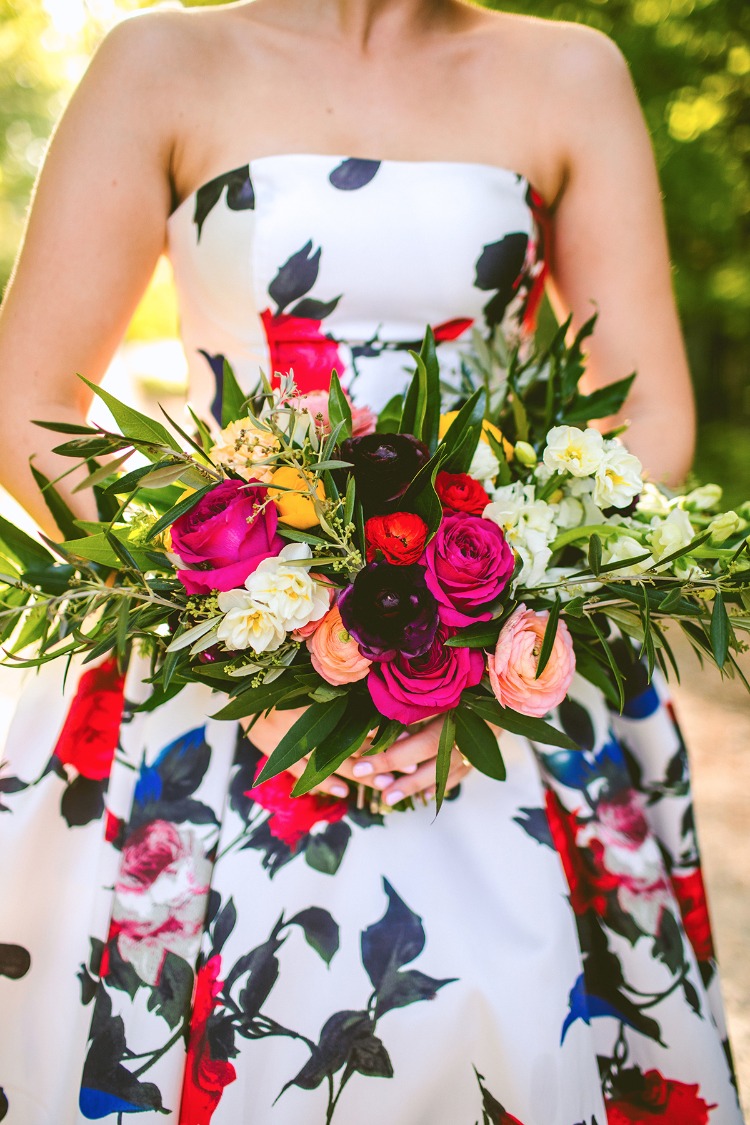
{"type": "Point", "coordinates": [21, 547]}
{"type": "Point", "coordinates": [178, 510]}
{"type": "Point", "coordinates": [431, 423]}
{"type": "Point", "coordinates": [58, 508]}
{"type": "Point", "coordinates": [446, 743]}
{"type": "Point", "coordinates": [339, 410]}
{"type": "Point", "coordinates": [233, 398]}
{"type": "Point", "coordinates": [720, 630]}
{"type": "Point", "coordinates": [479, 744]}
{"type": "Point", "coordinates": [415, 402]}
{"type": "Point", "coordinates": [550, 634]}
{"type": "Point", "coordinates": [343, 741]}
{"type": "Point", "coordinates": [132, 423]}
{"type": "Point", "coordinates": [526, 726]}
{"type": "Point", "coordinates": [312, 727]}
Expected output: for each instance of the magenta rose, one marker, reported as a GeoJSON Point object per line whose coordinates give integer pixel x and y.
{"type": "Point", "coordinates": [226, 534]}
{"type": "Point", "coordinates": [469, 564]}
{"type": "Point", "coordinates": [412, 690]}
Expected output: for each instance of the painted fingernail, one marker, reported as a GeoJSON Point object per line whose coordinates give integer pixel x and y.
{"type": "Point", "coordinates": [383, 780]}
{"type": "Point", "coordinates": [361, 769]}
{"type": "Point", "coordinates": [394, 797]}
{"type": "Point", "coordinates": [340, 790]}
{"type": "Point", "coordinates": [429, 794]}
{"type": "Point", "coordinates": [409, 769]}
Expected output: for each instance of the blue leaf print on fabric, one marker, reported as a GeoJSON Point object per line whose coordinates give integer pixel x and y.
{"type": "Point", "coordinates": [353, 174]}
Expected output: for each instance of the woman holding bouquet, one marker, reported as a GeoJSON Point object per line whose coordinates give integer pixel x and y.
{"type": "Point", "coordinates": [328, 178]}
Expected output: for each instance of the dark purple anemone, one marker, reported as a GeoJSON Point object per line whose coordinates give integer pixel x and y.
{"type": "Point", "coordinates": [384, 465]}
{"type": "Point", "coordinates": [389, 610]}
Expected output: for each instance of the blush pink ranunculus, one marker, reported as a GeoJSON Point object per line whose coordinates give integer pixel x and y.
{"type": "Point", "coordinates": [469, 564]}
{"type": "Point", "coordinates": [334, 653]}
{"type": "Point", "coordinates": [412, 690]}
{"type": "Point", "coordinates": [316, 403]}
{"type": "Point", "coordinates": [160, 897]}
{"type": "Point", "coordinates": [228, 533]}
{"type": "Point", "coordinates": [513, 664]}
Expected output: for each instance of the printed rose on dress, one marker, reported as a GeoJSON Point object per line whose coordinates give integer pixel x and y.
{"type": "Point", "coordinates": [469, 564]}
{"type": "Point", "coordinates": [399, 537]}
{"type": "Point", "coordinates": [160, 896]}
{"type": "Point", "coordinates": [410, 690]}
{"type": "Point", "coordinates": [89, 735]}
{"type": "Point", "coordinates": [226, 534]}
{"type": "Point", "coordinates": [292, 818]}
{"type": "Point", "coordinates": [652, 1098]}
{"type": "Point", "coordinates": [513, 664]}
{"type": "Point", "coordinates": [205, 1077]}
{"type": "Point", "coordinates": [691, 895]}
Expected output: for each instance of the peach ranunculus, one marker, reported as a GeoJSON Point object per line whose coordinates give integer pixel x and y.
{"type": "Point", "coordinates": [334, 653]}
{"type": "Point", "coordinates": [306, 631]}
{"type": "Point", "coordinates": [513, 664]}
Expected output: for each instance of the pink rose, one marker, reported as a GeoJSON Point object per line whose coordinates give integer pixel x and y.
{"type": "Point", "coordinates": [160, 897]}
{"type": "Point", "coordinates": [316, 403]}
{"type": "Point", "coordinates": [412, 690]}
{"type": "Point", "coordinates": [229, 532]}
{"type": "Point", "coordinates": [469, 564]}
{"type": "Point", "coordinates": [334, 653]}
{"type": "Point", "coordinates": [512, 666]}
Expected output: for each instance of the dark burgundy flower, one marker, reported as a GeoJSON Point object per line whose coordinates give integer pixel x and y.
{"type": "Point", "coordinates": [384, 465]}
{"type": "Point", "coordinates": [388, 610]}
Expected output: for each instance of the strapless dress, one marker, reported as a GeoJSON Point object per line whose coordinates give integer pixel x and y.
{"type": "Point", "coordinates": [182, 948]}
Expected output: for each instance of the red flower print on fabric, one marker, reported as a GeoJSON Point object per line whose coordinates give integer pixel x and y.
{"type": "Point", "coordinates": [660, 1100]}
{"type": "Point", "coordinates": [587, 886]}
{"type": "Point", "coordinates": [293, 817]}
{"type": "Point", "coordinates": [205, 1077]}
{"type": "Point", "coordinates": [691, 895]}
{"type": "Point", "coordinates": [296, 343]}
{"type": "Point", "coordinates": [451, 329]}
{"type": "Point", "coordinates": [88, 738]}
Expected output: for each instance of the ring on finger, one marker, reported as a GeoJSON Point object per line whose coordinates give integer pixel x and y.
{"type": "Point", "coordinates": [463, 757]}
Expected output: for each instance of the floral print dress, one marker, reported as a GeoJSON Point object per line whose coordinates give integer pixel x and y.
{"type": "Point", "coordinates": [180, 946]}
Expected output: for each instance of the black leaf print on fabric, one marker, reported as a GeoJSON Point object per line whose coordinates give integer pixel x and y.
{"type": "Point", "coordinates": [15, 961]}
{"type": "Point", "coordinates": [499, 267]}
{"type": "Point", "coordinates": [216, 363]}
{"type": "Point", "coordinates": [493, 1113]}
{"type": "Point", "coordinates": [395, 940]}
{"type": "Point", "coordinates": [240, 195]}
{"type": "Point", "coordinates": [353, 174]}
{"type": "Point", "coordinates": [576, 722]}
{"type": "Point", "coordinates": [320, 930]}
{"type": "Point", "coordinates": [535, 823]}
{"type": "Point", "coordinates": [313, 309]}
{"type": "Point", "coordinates": [3, 1104]}
{"type": "Point", "coordinates": [107, 1084]}
{"type": "Point", "coordinates": [82, 801]}
{"type": "Point", "coordinates": [296, 277]}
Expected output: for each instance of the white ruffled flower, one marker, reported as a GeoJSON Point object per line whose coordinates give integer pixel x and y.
{"type": "Point", "coordinates": [569, 512]}
{"type": "Point", "coordinates": [622, 548]}
{"type": "Point", "coordinates": [671, 534]}
{"type": "Point", "coordinates": [484, 465]}
{"type": "Point", "coordinates": [618, 479]}
{"type": "Point", "coordinates": [287, 588]}
{"type": "Point", "coordinates": [241, 445]}
{"type": "Point", "coordinates": [571, 450]}
{"type": "Point", "coordinates": [703, 498]}
{"type": "Point", "coordinates": [248, 623]}
{"type": "Point", "coordinates": [653, 502]}
{"type": "Point", "coordinates": [529, 527]}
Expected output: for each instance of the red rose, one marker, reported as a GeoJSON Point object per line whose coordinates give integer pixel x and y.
{"type": "Point", "coordinates": [451, 329]}
{"type": "Point", "coordinates": [88, 738]}
{"type": "Point", "coordinates": [296, 343]}
{"type": "Point", "coordinates": [691, 895]}
{"type": "Point", "coordinates": [230, 530]}
{"type": "Point", "coordinates": [205, 1077]}
{"type": "Point", "coordinates": [661, 1101]}
{"type": "Point", "coordinates": [461, 493]}
{"type": "Point", "coordinates": [293, 817]}
{"type": "Point", "coordinates": [400, 537]}
{"type": "Point", "coordinates": [587, 884]}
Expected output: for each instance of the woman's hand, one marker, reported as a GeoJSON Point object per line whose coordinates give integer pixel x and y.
{"type": "Point", "coordinates": [406, 769]}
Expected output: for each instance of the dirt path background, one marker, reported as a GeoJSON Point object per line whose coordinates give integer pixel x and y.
{"type": "Point", "coordinates": [715, 717]}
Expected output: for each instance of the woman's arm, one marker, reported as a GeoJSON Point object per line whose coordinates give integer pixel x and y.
{"type": "Point", "coordinates": [609, 249]}
{"type": "Point", "coordinates": [95, 230]}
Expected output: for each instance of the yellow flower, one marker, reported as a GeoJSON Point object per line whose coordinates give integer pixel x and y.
{"type": "Point", "coordinates": [446, 421]}
{"type": "Point", "coordinates": [295, 504]}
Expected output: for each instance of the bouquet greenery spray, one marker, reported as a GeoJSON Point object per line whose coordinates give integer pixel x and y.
{"type": "Point", "coordinates": [463, 554]}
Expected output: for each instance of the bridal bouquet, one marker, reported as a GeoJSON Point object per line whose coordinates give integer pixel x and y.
{"type": "Point", "coordinates": [382, 570]}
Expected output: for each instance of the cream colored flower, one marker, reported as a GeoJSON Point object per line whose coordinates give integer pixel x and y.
{"type": "Point", "coordinates": [622, 548]}
{"type": "Point", "coordinates": [671, 534]}
{"type": "Point", "coordinates": [241, 446]}
{"type": "Point", "coordinates": [248, 623]}
{"type": "Point", "coordinates": [570, 450]}
{"type": "Point", "coordinates": [618, 479]}
{"type": "Point", "coordinates": [284, 585]}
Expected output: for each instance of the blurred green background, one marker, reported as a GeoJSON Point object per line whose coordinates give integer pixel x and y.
{"type": "Point", "coordinates": [690, 60]}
